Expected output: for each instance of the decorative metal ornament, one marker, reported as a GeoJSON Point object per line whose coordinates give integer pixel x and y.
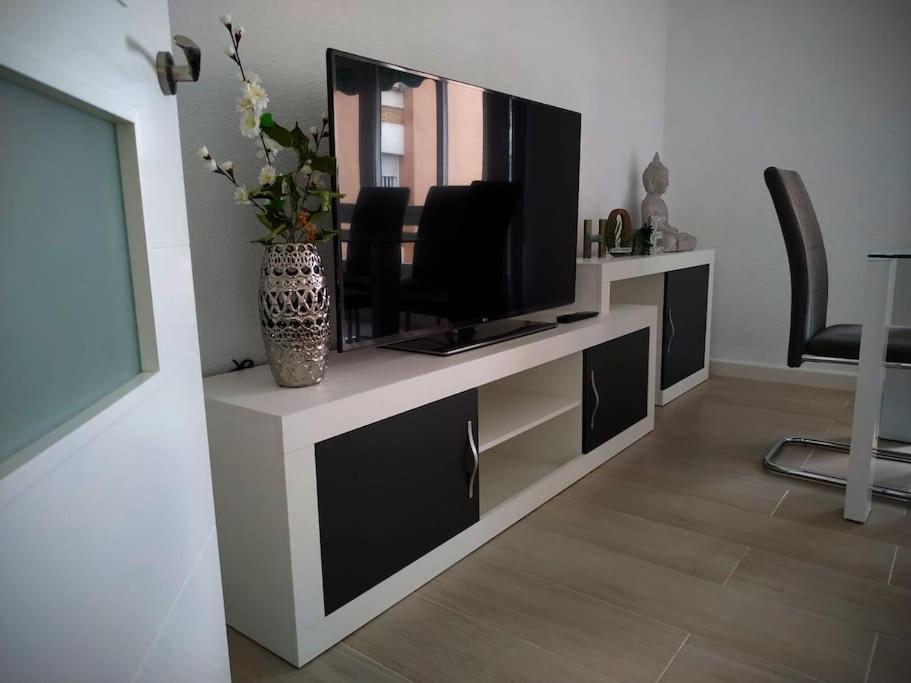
{"type": "Point", "coordinates": [619, 233]}
{"type": "Point", "coordinates": [294, 314]}
{"type": "Point", "coordinates": [588, 239]}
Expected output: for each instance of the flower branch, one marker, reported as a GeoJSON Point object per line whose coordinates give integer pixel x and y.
{"type": "Point", "coordinates": [290, 204]}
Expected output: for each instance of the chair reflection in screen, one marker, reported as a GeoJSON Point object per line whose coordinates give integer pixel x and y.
{"type": "Point", "coordinates": [372, 268]}
{"type": "Point", "coordinates": [426, 291]}
{"type": "Point", "coordinates": [460, 266]}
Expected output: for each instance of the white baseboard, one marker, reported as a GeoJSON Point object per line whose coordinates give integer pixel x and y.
{"type": "Point", "coordinates": [811, 377]}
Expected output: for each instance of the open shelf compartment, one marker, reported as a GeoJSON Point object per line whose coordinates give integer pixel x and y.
{"type": "Point", "coordinates": [515, 465]}
{"type": "Point", "coordinates": [530, 424]}
{"type": "Point", "coordinates": [506, 413]}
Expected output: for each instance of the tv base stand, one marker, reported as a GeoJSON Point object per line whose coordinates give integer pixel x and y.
{"type": "Point", "coordinates": [469, 337]}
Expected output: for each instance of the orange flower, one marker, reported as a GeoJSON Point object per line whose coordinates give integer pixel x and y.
{"type": "Point", "coordinates": [303, 223]}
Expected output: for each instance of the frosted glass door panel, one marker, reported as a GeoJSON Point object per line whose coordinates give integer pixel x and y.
{"type": "Point", "coordinates": [68, 332]}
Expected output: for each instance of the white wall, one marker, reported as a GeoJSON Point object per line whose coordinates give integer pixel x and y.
{"type": "Point", "coordinates": [821, 86]}
{"type": "Point", "coordinates": [604, 58]}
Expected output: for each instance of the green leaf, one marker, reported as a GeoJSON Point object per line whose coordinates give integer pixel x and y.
{"type": "Point", "coordinates": [326, 235]}
{"type": "Point", "coordinates": [274, 224]}
{"type": "Point", "coordinates": [265, 120]}
{"type": "Point", "coordinates": [316, 216]}
{"type": "Point", "coordinates": [273, 233]}
{"type": "Point", "coordinates": [281, 135]}
{"type": "Point", "coordinates": [301, 145]}
{"type": "Point", "coordinates": [325, 198]}
{"type": "Point", "coordinates": [324, 164]}
{"type": "Point", "coordinates": [293, 193]}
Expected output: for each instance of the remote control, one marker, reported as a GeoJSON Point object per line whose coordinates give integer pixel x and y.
{"type": "Point", "coordinates": [575, 317]}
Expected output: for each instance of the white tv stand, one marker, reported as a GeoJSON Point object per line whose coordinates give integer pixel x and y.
{"type": "Point", "coordinates": [680, 284]}
{"type": "Point", "coordinates": [334, 502]}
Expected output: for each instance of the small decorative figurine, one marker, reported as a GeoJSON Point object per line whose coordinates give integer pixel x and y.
{"type": "Point", "coordinates": [621, 237]}
{"type": "Point", "coordinates": [657, 226]}
{"type": "Point", "coordinates": [588, 239]}
{"type": "Point", "coordinates": [655, 178]}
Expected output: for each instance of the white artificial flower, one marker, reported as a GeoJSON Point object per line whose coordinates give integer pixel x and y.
{"type": "Point", "coordinates": [306, 169]}
{"type": "Point", "coordinates": [225, 19]}
{"type": "Point", "coordinates": [211, 165]}
{"type": "Point", "coordinates": [253, 77]}
{"type": "Point", "coordinates": [203, 152]}
{"type": "Point", "coordinates": [273, 146]}
{"type": "Point", "coordinates": [249, 124]}
{"type": "Point", "coordinates": [240, 31]}
{"type": "Point", "coordinates": [267, 175]}
{"type": "Point", "coordinates": [253, 97]}
{"type": "Point", "coordinates": [317, 182]}
{"type": "Point", "coordinates": [325, 116]}
{"type": "Point", "coordinates": [230, 51]}
{"type": "Point", "coordinates": [241, 196]}
{"type": "Point", "coordinates": [228, 166]}
{"type": "Point", "coordinates": [313, 130]}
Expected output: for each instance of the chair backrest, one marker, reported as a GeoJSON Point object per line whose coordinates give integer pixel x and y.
{"type": "Point", "coordinates": [376, 230]}
{"type": "Point", "coordinates": [444, 219]}
{"type": "Point", "coordinates": [806, 257]}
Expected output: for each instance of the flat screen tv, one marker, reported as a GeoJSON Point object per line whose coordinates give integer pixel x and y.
{"type": "Point", "coordinates": [460, 206]}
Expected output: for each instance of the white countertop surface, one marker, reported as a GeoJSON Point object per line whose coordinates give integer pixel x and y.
{"type": "Point", "coordinates": [357, 388]}
{"type": "Point", "coordinates": [624, 267]}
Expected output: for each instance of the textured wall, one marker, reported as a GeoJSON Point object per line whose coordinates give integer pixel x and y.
{"type": "Point", "coordinates": [820, 86]}
{"type": "Point", "coordinates": [605, 58]}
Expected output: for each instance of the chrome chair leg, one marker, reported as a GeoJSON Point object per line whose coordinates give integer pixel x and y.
{"type": "Point", "coordinates": [769, 462]}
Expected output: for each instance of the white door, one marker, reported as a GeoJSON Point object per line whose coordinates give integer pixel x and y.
{"type": "Point", "coordinates": [108, 554]}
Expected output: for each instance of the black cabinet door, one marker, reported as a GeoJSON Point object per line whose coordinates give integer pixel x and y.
{"type": "Point", "coordinates": [392, 491]}
{"type": "Point", "coordinates": [686, 294]}
{"type": "Point", "coordinates": [614, 387]}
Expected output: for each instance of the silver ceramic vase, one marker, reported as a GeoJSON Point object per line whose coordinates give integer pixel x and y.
{"type": "Point", "coordinates": [294, 314]}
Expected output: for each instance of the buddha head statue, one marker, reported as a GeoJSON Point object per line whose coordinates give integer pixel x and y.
{"type": "Point", "coordinates": [655, 177]}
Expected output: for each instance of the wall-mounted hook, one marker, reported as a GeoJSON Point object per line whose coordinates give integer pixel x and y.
{"type": "Point", "coordinates": [169, 75]}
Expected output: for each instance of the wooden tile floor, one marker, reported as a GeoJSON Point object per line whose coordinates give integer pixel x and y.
{"type": "Point", "coordinates": [679, 561]}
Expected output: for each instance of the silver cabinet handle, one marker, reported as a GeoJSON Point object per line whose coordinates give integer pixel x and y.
{"type": "Point", "coordinates": [670, 317]}
{"type": "Point", "coordinates": [597, 402]}
{"type": "Point", "coordinates": [474, 451]}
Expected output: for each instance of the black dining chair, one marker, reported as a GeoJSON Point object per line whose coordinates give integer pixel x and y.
{"type": "Point", "coordinates": [812, 339]}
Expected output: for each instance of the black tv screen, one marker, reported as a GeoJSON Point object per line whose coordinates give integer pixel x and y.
{"type": "Point", "coordinates": [460, 202]}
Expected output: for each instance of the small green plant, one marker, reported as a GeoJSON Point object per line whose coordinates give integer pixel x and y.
{"type": "Point", "coordinates": [642, 241]}
{"type": "Point", "coordinates": [292, 204]}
